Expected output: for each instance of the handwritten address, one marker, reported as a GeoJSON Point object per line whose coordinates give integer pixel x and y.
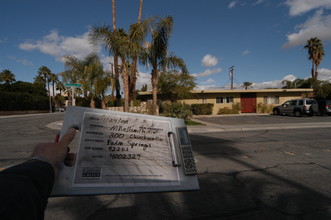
{"type": "Point", "coordinates": [124, 150]}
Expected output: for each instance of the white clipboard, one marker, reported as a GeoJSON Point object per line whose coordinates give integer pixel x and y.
{"type": "Point", "coordinates": [121, 152]}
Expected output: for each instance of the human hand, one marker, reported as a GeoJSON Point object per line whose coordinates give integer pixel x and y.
{"type": "Point", "coordinates": [58, 152]}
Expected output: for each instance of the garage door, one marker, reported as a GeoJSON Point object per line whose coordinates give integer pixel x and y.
{"type": "Point", "coordinates": [248, 102]}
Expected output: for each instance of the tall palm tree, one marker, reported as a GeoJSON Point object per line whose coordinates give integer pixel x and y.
{"type": "Point", "coordinates": [315, 54]}
{"type": "Point", "coordinates": [156, 55]}
{"type": "Point", "coordinates": [116, 65]}
{"type": "Point", "coordinates": [45, 72]}
{"type": "Point", "coordinates": [126, 46]}
{"type": "Point", "coordinates": [7, 76]}
{"type": "Point", "coordinates": [133, 69]}
{"type": "Point", "coordinates": [54, 79]}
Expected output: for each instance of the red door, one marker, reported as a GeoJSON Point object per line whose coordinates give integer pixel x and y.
{"type": "Point", "coordinates": [248, 102]}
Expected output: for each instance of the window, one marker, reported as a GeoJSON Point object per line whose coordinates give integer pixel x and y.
{"type": "Point", "coordinates": [293, 102]}
{"type": "Point", "coordinates": [228, 99]}
{"type": "Point", "coordinates": [271, 99]}
{"type": "Point", "coordinates": [219, 99]}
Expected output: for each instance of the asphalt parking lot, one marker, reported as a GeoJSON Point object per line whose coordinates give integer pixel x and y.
{"type": "Point", "coordinates": [262, 119]}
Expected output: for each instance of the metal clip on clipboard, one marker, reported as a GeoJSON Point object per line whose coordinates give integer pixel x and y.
{"type": "Point", "coordinates": [173, 152]}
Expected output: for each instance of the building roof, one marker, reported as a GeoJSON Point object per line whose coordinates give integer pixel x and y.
{"type": "Point", "coordinates": [242, 91]}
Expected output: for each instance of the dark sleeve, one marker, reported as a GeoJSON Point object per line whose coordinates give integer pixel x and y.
{"type": "Point", "coordinates": [24, 190]}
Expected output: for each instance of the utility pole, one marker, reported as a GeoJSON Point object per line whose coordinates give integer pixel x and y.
{"type": "Point", "coordinates": [231, 69]}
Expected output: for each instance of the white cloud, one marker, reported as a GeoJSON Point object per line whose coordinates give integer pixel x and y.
{"type": "Point", "coordinates": [274, 83]}
{"type": "Point", "coordinates": [245, 52]}
{"type": "Point", "coordinates": [209, 60]}
{"type": "Point", "coordinates": [143, 79]}
{"type": "Point", "coordinates": [207, 72]}
{"type": "Point", "coordinates": [25, 62]}
{"type": "Point", "coordinates": [324, 74]}
{"type": "Point", "coordinates": [298, 7]}
{"type": "Point", "coordinates": [316, 26]}
{"type": "Point", "coordinates": [209, 81]}
{"type": "Point", "coordinates": [55, 45]}
{"type": "Point", "coordinates": [232, 4]}
{"type": "Point", "coordinates": [259, 2]}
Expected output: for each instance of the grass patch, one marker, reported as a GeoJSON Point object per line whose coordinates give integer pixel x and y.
{"type": "Point", "coordinates": [189, 122]}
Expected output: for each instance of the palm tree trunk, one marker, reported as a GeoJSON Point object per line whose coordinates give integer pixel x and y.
{"type": "Point", "coordinates": [155, 91]}
{"type": "Point", "coordinates": [140, 10]}
{"type": "Point", "coordinates": [125, 79]}
{"type": "Point", "coordinates": [133, 79]}
{"type": "Point", "coordinates": [49, 97]}
{"type": "Point", "coordinates": [117, 75]}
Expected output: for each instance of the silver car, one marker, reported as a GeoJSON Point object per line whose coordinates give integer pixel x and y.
{"type": "Point", "coordinates": [297, 107]}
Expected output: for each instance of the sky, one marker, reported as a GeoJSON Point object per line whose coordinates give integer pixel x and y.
{"type": "Point", "coordinates": [262, 39]}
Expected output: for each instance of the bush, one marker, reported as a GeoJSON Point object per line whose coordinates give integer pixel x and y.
{"type": "Point", "coordinates": [82, 101]}
{"type": "Point", "coordinates": [202, 109]}
{"type": "Point", "coordinates": [16, 101]}
{"type": "Point", "coordinates": [177, 110]}
{"type": "Point", "coordinates": [226, 110]}
{"type": "Point", "coordinates": [264, 108]}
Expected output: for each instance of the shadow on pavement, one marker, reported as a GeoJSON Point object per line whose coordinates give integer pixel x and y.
{"type": "Point", "coordinates": [251, 193]}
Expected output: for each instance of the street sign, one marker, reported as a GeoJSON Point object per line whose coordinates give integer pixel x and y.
{"type": "Point", "coordinates": [72, 85]}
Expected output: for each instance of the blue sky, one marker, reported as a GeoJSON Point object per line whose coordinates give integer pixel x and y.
{"type": "Point", "coordinates": [263, 39]}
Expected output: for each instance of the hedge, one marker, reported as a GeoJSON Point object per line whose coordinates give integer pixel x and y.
{"type": "Point", "coordinates": [15, 101]}
{"type": "Point", "coordinates": [202, 109]}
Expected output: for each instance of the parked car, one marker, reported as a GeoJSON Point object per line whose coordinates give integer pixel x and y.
{"type": "Point", "coordinates": [324, 107]}
{"type": "Point", "coordinates": [297, 107]}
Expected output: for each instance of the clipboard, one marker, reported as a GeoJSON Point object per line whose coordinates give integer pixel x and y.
{"type": "Point", "coordinates": [119, 152]}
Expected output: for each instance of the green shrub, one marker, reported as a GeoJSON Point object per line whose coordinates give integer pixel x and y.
{"type": "Point", "coordinates": [82, 101]}
{"type": "Point", "coordinates": [16, 101]}
{"type": "Point", "coordinates": [226, 110]}
{"type": "Point", "coordinates": [177, 110]}
{"type": "Point", "coordinates": [202, 109]}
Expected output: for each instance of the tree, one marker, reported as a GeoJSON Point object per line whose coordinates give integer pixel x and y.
{"type": "Point", "coordinates": [116, 66]}
{"type": "Point", "coordinates": [84, 72]}
{"type": "Point", "coordinates": [246, 85]}
{"type": "Point", "coordinates": [45, 73]}
{"type": "Point", "coordinates": [144, 88]}
{"type": "Point", "coordinates": [156, 55]}
{"type": "Point", "coordinates": [60, 87]}
{"type": "Point", "coordinates": [54, 79]}
{"type": "Point", "coordinates": [175, 85]}
{"type": "Point", "coordinates": [127, 46]}
{"type": "Point", "coordinates": [7, 76]}
{"type": "Point", "coordinates": [315, 54]}
{"type": "Point", "coordinates": [138, 35]}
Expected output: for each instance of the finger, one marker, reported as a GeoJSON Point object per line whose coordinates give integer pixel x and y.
{"type": "Point", "coordinates": [68, 137]}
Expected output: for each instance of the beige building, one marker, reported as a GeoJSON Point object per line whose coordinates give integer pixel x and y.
{"type": "Point", "coordinates": [250, 101]}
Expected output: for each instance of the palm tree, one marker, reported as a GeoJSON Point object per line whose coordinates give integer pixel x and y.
{"type": "Point", "coordinates": [126, 46]}
{"type": "Point", "coordinates": [116, 66]}
{"type": "Point", "coordinates": [45, 73]}
{"type": "Point", "coordinates": [84, 72]}
{"type": "Point", "coordinates": [246, 85]}
{"type": "Point", "coordinates": [7, 76]}
{"type": "Point", "coordinates": [140, 39]}
{"type": "Point", "coordinates": [315, 54]}
{"type": "Point", "coordinates": [156, 54]}
{"type": "Point", "coordinates": [60, 87]}
{"type": "Point", "coordinates": [54, 79]}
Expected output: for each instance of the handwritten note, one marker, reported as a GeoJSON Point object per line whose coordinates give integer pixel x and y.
{"type": "Point", "coordinates": [124, 150]}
